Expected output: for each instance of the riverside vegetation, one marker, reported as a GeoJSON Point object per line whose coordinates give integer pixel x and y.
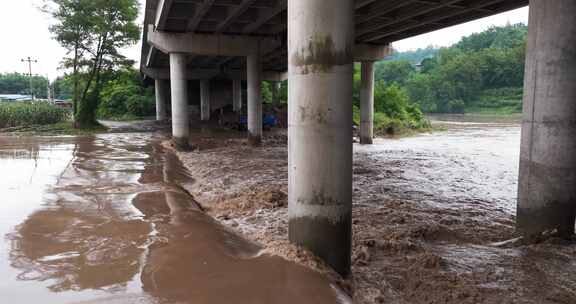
{"type": "Point", "coordinates": [482, 73]}
{"type": "Point", "coordinates": [16, 114]}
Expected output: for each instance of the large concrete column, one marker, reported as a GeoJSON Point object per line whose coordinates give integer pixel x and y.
{"type": "Point", "coordinates": [162, 87]}
{"type": "Point", "coordinates": [320, 43]}
{"type": "Point", "coordinates": [367, 103]}
{"type": "Point", "coordinates": [254, 100]}
{"type": "Point", "coordinates": [547, 184]}
{"type": "Point", "coordinates": [205, 100]}
{"type": "Point", "coordinates": [179, 85]}
{"type": "Point", "coordinates": [275, 87]}
{"type": "Point", "coordinates": [237, 95]}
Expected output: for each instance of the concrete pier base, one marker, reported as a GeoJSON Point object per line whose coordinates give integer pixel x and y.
{"type": "Point", "coordinates": [320, 43]}
{"type": "Point", "coordinates": [237, 95]}
{"type": "Point", "coordinates": [205, 100]}
{"type": "Point", "coordinates": [254, 100]}
{"type": "Point", "coordinates": [162, 87]}
{"type": "Point", "coordinates": [367, 103]}
{"type": "Point", "coordinates": [179, 86]}
{"type": "Point", "coordinates": [547, 183]}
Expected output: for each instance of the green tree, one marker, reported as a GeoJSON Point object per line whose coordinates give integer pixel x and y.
{"type": "Point", "coordinates": [125, 96]}
{"type": "Point", "coordinates": [391, 100]}
{"type": "Point", "coordinates": [482, 70]}
{"type": "Point", "coordinates": [415, 56]}
{"type": "Point", "coordinates": [508, 36]}
{"type": "Point", "coordinates": [63, 87]}
{"type": "Point", "coordinates": [394, 71]}
{"type": "Point", "coordinates": [15, 83]}
{"type": "Point", "coordinates": [93, 31]}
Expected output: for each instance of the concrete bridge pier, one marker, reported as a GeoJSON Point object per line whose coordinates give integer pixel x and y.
{"type": "Point", "coordinates": [179, 86]}
{"type": "Point", "coordinates": [275, 87]}
{"type": "Point", "coordinates": [547, 184]}
{"type": "Point", "coordinates": [254, 99]}
{"type": "Point", "coordinates": [237, 95]}
{"type": "Point", "coordinates": [205, 100]}
{"type": "Point", "coordinates": [367, 103]}
{"type": "Point", "coordinates": [320, 64]}
{"type": "Point", "coordinates": [162, 88]}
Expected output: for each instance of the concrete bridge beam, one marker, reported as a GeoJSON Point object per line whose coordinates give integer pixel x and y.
{"type": "Point", "coordinates": [162, 95]}
{"type": "Point", "coordinates": [211, 44]}
{"type": "Point", "coordinates": [199, 74]}
{"type": "Point", "coordinates": [320, 60]}
{"type": "Point", "coordinates": [239, 45]}
{"type": "Point", "coordinates": [547, 183]}
{"type": "Point", "coordinates": [205, 100]}
{"type": "Point", "coordinates": [367, 103]}
{"type": "Point", "coordinates": [179, 86]}
{"type": "Point", "coordinates": [254, 99]}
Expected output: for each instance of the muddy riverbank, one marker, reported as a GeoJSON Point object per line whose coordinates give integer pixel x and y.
{"type": "Point", "coordinates": [429, 212]}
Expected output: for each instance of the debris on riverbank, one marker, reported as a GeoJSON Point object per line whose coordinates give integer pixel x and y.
{"type": "Point", "coordinates": [407, 248]}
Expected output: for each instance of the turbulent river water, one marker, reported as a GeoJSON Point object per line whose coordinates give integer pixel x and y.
{"type": "Point", "coordinates": [474, 158]}
{"type": "Point", "coordinates": [104, 219]}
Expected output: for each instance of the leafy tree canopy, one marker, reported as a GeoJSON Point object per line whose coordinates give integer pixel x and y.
{"type": "Point", "coordinates": [93, 32]}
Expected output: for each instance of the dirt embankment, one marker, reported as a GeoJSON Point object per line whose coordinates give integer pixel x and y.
{"type": "Point", "coordinates": [405, 249]}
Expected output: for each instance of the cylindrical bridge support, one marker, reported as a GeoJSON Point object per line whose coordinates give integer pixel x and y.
{"type": "Point", "coordinates": [162, 88]}
{"type": "Point", "coordinates": [275, 88]}
{"type": "Point", "coordinates": [205, 100]}
{"type": "Point", "coordinates": [320, 44]}
{"type": "Point", "coordinates": [237, 95]}
{"type": "Point", "coordinates": [547, 183]}
{"type": "Point", "coordinates": [179, 85]}
{"type": "Point", "coordinates": [254, 100]}
{"type": "Point", "coordinates": [367, 103]}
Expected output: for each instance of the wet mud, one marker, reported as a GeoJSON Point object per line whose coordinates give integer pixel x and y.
{"type": "Point", "coordinates": [431, 221]}
{"type": "Point", "coordinates": [108, 219]}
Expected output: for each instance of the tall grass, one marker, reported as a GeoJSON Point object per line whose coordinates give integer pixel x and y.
{"type": "Point", "coordinates": [16, 114]}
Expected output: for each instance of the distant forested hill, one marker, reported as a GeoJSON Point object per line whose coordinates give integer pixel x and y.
{"type": "Point", "coordinates": [415, 56]}
{"type": "Point", "coordinates": [483, 72]}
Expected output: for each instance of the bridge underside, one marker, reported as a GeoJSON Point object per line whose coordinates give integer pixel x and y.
{"type": "Point", "coordinates": [313, 44]}
{"type": "Point", "coordinates": [377, 22]}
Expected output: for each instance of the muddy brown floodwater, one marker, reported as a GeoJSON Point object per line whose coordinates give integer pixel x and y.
{"type": "Point", "coordinates": [432, 213]}
{"type": "Point", "coordinates": [106, 219]}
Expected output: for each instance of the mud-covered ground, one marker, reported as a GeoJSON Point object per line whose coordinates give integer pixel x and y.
{"type": "Point", "coordinates": [430, 217]}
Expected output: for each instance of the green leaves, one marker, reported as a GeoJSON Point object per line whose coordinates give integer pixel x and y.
{"type": "Point", "coordinates": [93, 31]}
{"type": "Point", "coordinates": [125, 96]}
{"type": "Point", "coordinates": [456, 78]}
{"type": "Point", "coordinates": [16, 114]}
{"type": "Point", "coordinates": [15, 83]}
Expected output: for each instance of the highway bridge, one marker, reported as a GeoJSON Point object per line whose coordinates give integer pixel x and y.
{"type": "Point", "coordinates": [189, 45]}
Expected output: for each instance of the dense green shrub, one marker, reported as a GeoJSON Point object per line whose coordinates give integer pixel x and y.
{"type": "Point", "coordinates": [126, 97]}
{"type": "Point", "coordinates": [15, 114]}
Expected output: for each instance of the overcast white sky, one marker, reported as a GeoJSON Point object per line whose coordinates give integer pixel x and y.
{"type": "Point", "coordinates": [24, 32]}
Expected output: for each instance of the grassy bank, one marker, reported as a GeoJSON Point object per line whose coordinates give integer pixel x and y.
{"type": "Point", "coordinates": [499, 111]}
{"type": "Point", "coordinates": [39, 118]}
{"type": "Point", "coordinates": [503, 101]}
{"type": "Point", "coordinates": [18, 114]}
{"type": "Point", "coordinates": [411, 123]}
